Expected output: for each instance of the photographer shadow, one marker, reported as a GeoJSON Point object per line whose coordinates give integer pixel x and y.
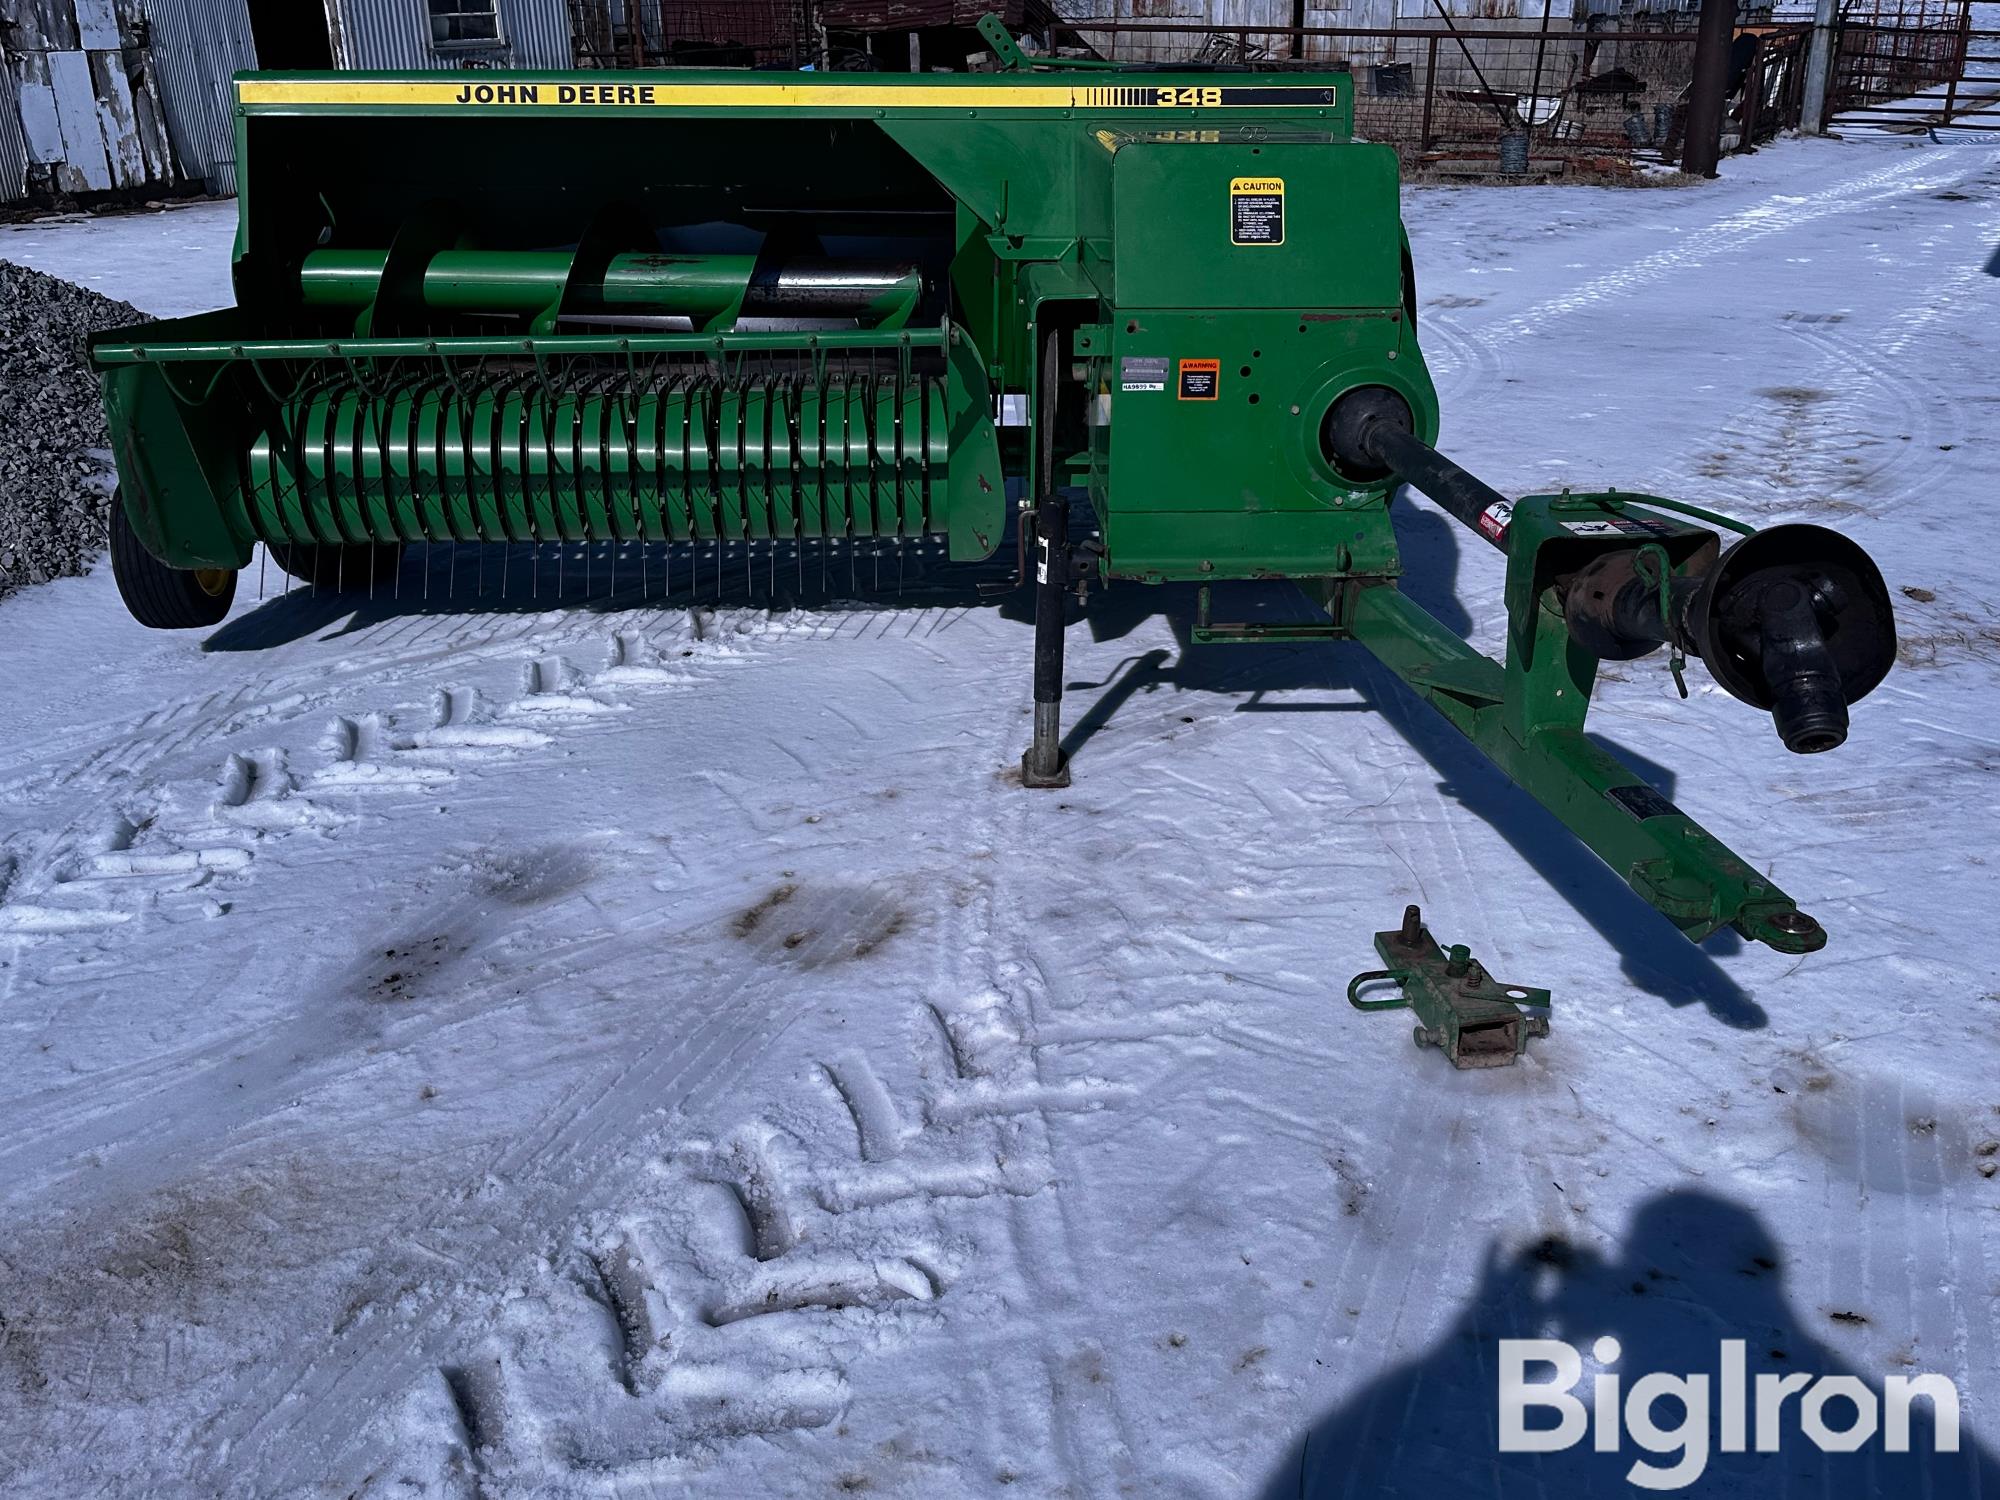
{"type": "Point", "coordinates": [1696, 1270]}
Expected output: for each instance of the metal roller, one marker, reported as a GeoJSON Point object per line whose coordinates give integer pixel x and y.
{"type": "Point", "coordinates": [708, 290]}
{"type": "Point", "coordinates": [679, 459]}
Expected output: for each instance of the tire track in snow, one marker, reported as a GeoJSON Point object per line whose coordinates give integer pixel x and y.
{"type": "Point", "coordinates": [1860, 435]}
{"type": "Point", "coordinates": [1471, 364]}
{"type": "Point", "coordinates": [85, 756]}
{"type": "Point", "coordinates": [259, 799]}
{"type": "Point", "coordinates": [981, 1135]}
{"type": "Point", "coordinates": [1885, 1271]}
{"type": "Point", "coordinates": [1865, 430]}
{"type": "Point", "coordinates": [299, 1421]}
{"type": "Point", "coordinates": [566, 1137]}
{"type": "Point", "coordinates": [910, 1163]}
{"type": "Point", "coordinates": [362, 753]}
{"type": "Point", "coordinates": [1736, 232]}
{"type": "Point", "coordinates": [127, 747]}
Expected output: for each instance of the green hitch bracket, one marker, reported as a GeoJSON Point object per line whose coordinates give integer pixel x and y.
{"type": "Point", "coordinates": [1208, 631]}
{"type": "Point", "coordinates": [1006, 51]}
{"type": "Point", "coordinates": [1476, 1020]}
{"type": "Point", "coordinates": [1008, 55]}
{"type": "Point", "coordinates": [1527, 715]}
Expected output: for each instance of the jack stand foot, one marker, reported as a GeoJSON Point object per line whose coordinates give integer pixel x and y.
{"type": "Point", "coordinates": [1044, 765]}
{"type": "Point", "coordinates": [1037, 781]}
{"type": "Point", "coordinates": [1473, 1018]}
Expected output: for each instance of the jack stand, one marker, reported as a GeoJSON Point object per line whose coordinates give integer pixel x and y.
{"type": "Point", "coordinates": [1477, 1021]}
{"type": "Point", "coordinates": [1044, 765]}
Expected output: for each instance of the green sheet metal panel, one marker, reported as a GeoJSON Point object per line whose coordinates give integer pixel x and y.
{"type": "Point", "coordinates": [1307, 223]}
{"type": "Point", "coordinates": [1235, 327]}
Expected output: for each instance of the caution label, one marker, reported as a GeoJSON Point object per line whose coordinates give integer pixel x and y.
{"type": "Point", "coordinates": [1256, 210]}
{"type": "Point", "coordinates": [1201, 379]}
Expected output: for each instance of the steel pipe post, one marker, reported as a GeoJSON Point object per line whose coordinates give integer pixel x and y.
{"type": "Point", "coordinates": [1044, 764]}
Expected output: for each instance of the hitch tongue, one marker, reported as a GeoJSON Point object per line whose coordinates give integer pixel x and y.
{"type": "Point", "coordinates": [1475, 1020]}
{"type": "Point", "coordinates": [1793, 619]}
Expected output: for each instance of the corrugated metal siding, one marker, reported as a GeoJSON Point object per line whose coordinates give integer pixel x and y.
{"type": "Point", "coordinates": [13, 144]}
{"type": "Point", "coordinates": [198, 46]}
{"type": "Point", "coordinates": [397, 34]}
{"type": "Point", "coordinates": [539, 31]}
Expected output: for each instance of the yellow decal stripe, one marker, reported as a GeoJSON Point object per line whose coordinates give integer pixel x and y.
{"type": "Point", "coordinates": [501, 91]}
{"type": "Point", "coordinates": [656, 96]}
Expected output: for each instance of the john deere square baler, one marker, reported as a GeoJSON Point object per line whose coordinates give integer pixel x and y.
{"type": "Point", "coordinates": [736, 309]}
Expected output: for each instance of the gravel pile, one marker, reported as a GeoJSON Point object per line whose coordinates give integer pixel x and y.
{"type": "Point", "coordinates": [55, 494]}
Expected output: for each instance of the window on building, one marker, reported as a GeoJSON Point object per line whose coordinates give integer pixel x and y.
{"type": "Point", "coordinates": [465, 23]}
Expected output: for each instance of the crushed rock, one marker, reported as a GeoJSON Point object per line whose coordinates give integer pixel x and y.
{"type": "Point", "coordinates": [55, 473]}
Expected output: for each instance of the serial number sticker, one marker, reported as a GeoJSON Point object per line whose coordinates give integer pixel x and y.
{"type": "Point", "coordinates": [1142, 372]}
{"type": "Point", "coordinates": [1256, 210]}
{"type": "Point", "coordinates": [1201, 379]}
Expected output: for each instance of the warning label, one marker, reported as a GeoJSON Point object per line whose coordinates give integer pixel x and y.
{"type": "Point", "coordinates": [1618, 526]}
{"type": "Point", "coordinates": [1256, 210]}
{"type": "Point", "coordinates": [1201, 379]}
{"type": "Point", "coordinates": [1143, 372]}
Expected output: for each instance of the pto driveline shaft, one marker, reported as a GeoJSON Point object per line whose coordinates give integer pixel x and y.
{"type": "Point", "coordinates": [1469, 500]}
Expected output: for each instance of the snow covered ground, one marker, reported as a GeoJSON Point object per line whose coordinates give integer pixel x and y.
{"type": "Point", "coordinates": [498, 1049]}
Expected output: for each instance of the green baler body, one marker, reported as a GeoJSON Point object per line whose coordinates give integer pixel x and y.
{"type": "Point", "coordinates": [403, 363]}
{"type": "Point", "coordinates": [538, 308]}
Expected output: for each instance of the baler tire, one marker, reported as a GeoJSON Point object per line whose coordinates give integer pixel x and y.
{"type": "Point", "coordinates": [160, 597]}
{"type": "Point", "coordinates": [354, 568]}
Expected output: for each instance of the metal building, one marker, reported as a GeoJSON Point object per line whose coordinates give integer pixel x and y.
{"type": "Point", "coordinates": [133, 96]}
{"type": "Point", "coordinates": [449, 33]}
{"type": "Point", "coordinates": [199, 46]}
